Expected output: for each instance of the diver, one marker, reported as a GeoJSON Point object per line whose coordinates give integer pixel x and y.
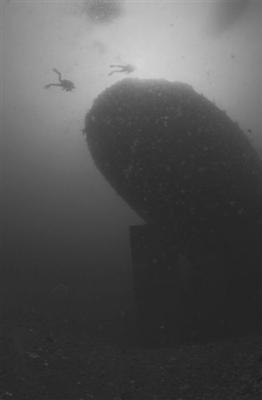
{"type": "Point", "coordinates": [127, 68]}
{"type": "Point", "coordinates": [65, 84]}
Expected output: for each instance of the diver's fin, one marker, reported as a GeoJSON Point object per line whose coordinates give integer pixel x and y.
{"type": "Point", "coordinates": [51, 84]}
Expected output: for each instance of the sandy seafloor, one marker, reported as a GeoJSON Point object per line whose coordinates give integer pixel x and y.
{"type": "Point", "coordinates": [40, 360]}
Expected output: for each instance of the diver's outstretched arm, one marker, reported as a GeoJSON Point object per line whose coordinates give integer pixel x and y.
{"type": "Point", "coordinates": [51, 84]}
{"type": "Point", "coordinates": [116, 66]}
{"type": "Point", "coordinates": [58, 73]}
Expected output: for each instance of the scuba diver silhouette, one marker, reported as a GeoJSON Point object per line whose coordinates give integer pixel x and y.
{"type": "Point", "coordinates": [127, 68]}
{"type": "Point", "coordinates": [65, 84]}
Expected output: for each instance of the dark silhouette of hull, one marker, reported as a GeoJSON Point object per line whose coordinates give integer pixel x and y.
{"type": "Point", "coordinates": [193, 176]}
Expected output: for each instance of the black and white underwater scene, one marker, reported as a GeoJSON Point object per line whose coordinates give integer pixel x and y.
{"type": "Point", "coordinates": [131, 200]}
